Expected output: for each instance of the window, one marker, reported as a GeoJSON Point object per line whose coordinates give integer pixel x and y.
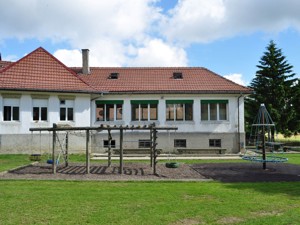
{"type": "Point", "coordinates": [180, 143]}
{"type": "Point", "coordinates": [214, 110]}
{"type": "Point", "coordinates": [144, 143]}
{"type": "Point", "coordinates": [113, 76]}
{"type": "Point", "coordinates": [177, 75]}
{"type": "Point", "coordinates": [11, 109]}
{"type": "Point", "coordinates": [39, 109]}
{"type": "Point", "coordinates": [179, 110]}
{"type": "Point", "coordinates": [66, 110]}
{"type": "Point", "coordinates": [106, 143]}
{"type": "Point", "coordinates": [144, 110]}
{"type": "Point", "coordinates": [109, 110]}
{"type": "Point", "coordinates": [214, 142]}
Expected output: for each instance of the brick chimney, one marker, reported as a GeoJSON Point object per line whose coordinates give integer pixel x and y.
{"type": "Point", "coordinates": [85, 61]}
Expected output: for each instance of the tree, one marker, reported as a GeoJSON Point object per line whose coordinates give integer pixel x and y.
{"type": "Point", "coordinates": [274, 87]}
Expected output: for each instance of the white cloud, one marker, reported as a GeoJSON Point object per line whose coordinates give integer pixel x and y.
{"type": "Point", "coordinates": [204, 21]}
{"type": "Point", "coordinates": [158, 53]}
{"type": "Point", "coordinates": [236, 77]}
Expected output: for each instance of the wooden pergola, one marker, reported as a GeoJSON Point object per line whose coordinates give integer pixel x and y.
{"type": "Point", "coordinates": [153, 140]}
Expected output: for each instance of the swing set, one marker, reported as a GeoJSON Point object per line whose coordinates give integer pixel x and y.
{"type": "Point", "coordinates": [64, 150]}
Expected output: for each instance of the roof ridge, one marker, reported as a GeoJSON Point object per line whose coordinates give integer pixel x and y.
{"type": "Point", "coordinates": [56, 60]}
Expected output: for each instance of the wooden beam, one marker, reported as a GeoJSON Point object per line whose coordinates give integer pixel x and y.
{"type": "Point", "coordinates": [121, 152]}
{"type": "Point", "coordinates": [87, 154]}
{"type": "Point", "coordinates": [53, 149]}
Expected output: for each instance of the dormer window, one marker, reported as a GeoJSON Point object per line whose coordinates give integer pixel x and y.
{"type": "Point", "coordinates": [177, 75]}
{"type": "Point", "coordinates": [113, 76]}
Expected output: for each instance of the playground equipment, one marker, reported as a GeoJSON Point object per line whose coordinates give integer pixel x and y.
{"type": "Point", "coordinates": [153, 139]}
{"type": "Point", "coordinates": [263, 137]}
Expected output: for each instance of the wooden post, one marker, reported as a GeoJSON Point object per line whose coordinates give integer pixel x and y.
{"type": "Point", "coordinates": [155, 154]}
{"type": "Point", "coordinates": [67, 150]}
{"type": "Point", "coordinates": [121, 151]}
{"type": "Point", "coordinates": [53, 149]}
{"type": "Point", "coordinates": [151, 146]}
{"type": "Point", "coordinates": [87, 154]}
{"type": "Point", "coordinates": [109, 148]}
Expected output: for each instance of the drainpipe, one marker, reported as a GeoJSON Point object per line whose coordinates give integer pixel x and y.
{"type": "Point", "coordinates": [239, 132]}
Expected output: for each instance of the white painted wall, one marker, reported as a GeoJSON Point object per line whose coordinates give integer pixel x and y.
{"type": "Point", "coordinates": [231, 125]}
{"type": "Point", "coordinates": [81, 113]}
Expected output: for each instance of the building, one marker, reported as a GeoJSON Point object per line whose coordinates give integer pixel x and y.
{"type": "Point", "coordinates": [38, 90]}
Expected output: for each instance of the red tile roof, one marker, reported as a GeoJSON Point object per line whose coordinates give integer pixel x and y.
{"type": "Point", "coordinates": [40, 71]}
{"type": "Point", "coordinates": [4, 64]}
{"type": "Point", "coordinates": [160, 80]}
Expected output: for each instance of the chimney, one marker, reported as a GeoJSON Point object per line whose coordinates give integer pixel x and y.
{"type": "Point", "coordinates": [85, 61]}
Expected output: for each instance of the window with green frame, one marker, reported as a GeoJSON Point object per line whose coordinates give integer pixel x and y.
{"type": "Point", "coordinates": [179, 110]}
{"type": "Point", "coordinates": [214, 110]}
{"type": "Point", "coordinates": [144, 110]}
{"type": "Point", "coordinates": [109, 110]}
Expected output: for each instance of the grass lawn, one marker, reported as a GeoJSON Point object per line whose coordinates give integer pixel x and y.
{"type": "Point", "coordinates": [94, 202]}
{"type": "Point", "coordinates": [72, 202]}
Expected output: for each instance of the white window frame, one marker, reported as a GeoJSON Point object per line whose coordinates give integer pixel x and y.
{"type": "Point", "coordinates": [40, 103]}
{"type": "Point", "coordinates": [218, 112]}
{"type": "Point", "coordinates": [67, 104]}
{"type": "Point", "coordinates": [12, 103]}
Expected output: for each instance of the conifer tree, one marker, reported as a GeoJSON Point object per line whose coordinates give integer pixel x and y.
{"type": "Point", "coordinates": [273, 85]}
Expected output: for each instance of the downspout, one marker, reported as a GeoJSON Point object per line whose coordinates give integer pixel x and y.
{"type": "Point", "coordinates": [239, 132]}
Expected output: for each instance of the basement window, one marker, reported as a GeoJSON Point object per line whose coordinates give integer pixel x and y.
{"type": "Point", "coordinates": [214, 142]}
{"type": "Point", "coordinates": [144, 143]}
{"type": "Point", "coordinates": [181, 143]}
{"type": "Point", "coordinates": [112, 144]}
{"type": "Point", "coordinates": [177, 75]}
{"type": "Point", "coordinates": [113, 76]}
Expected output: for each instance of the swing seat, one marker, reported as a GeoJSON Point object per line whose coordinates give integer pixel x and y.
{"type": "Point", "coordinates": [172, 165]}
{"type": "Point", "coordinates": [50, 161]}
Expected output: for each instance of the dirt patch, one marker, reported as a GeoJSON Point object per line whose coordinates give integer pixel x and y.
{"type": "Point", "coordinates": [224, 172]}
{"type": "Point", "coordinates": [249, 172]}
{"type": "Point", "coordinates": [131, 171]}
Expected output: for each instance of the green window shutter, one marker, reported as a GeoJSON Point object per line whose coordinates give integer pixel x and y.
{"type": "Point", "coordinates": [179, 101]}
{"type": "Point", "coordinates": [98, 102]}
{"type": "Point", "coordinates": [144, 101]}
{"type": "Point", "coordinates": [214, 101]}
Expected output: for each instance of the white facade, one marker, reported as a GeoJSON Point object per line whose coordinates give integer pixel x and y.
{"type": "Point", "coordinates": [15, 136]}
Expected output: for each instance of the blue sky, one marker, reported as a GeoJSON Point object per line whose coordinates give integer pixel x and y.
{"type": "Point", "coordinates": [225, 36]}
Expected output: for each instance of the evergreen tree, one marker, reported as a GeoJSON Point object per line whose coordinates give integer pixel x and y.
{"type": "Point", "coordinates": [274, 87]}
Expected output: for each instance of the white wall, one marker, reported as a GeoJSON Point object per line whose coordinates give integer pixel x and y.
{"type": "Point", "coordinates": [231, 125]}
{"type": "Point", "coordinates": [81, 112]}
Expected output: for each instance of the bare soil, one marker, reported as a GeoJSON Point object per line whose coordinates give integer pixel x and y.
{"type": "Point", "coordinates": [224, 172]}
{"type": "Point", "coordinates": [76, 171]}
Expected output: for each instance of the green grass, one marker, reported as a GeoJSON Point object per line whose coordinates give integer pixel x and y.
{"type": "Point", "coordinates": [74, 202]}
{"type": "Point", "coordinates": [12, 161]}
{"type": "Point", "coordinates": [95, 202]}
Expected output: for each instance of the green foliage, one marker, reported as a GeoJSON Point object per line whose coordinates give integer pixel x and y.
{"type": "Point", "coordinates": [274, 86]}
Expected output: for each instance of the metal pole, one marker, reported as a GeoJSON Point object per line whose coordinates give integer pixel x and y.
{"type": "Point", "coordinates": [151, 146]}
{"type": "Point", "coordinates": [263, 142]}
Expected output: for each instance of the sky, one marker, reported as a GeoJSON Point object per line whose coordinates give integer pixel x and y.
{"type": "Point", "coordinates": [226, 36]}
